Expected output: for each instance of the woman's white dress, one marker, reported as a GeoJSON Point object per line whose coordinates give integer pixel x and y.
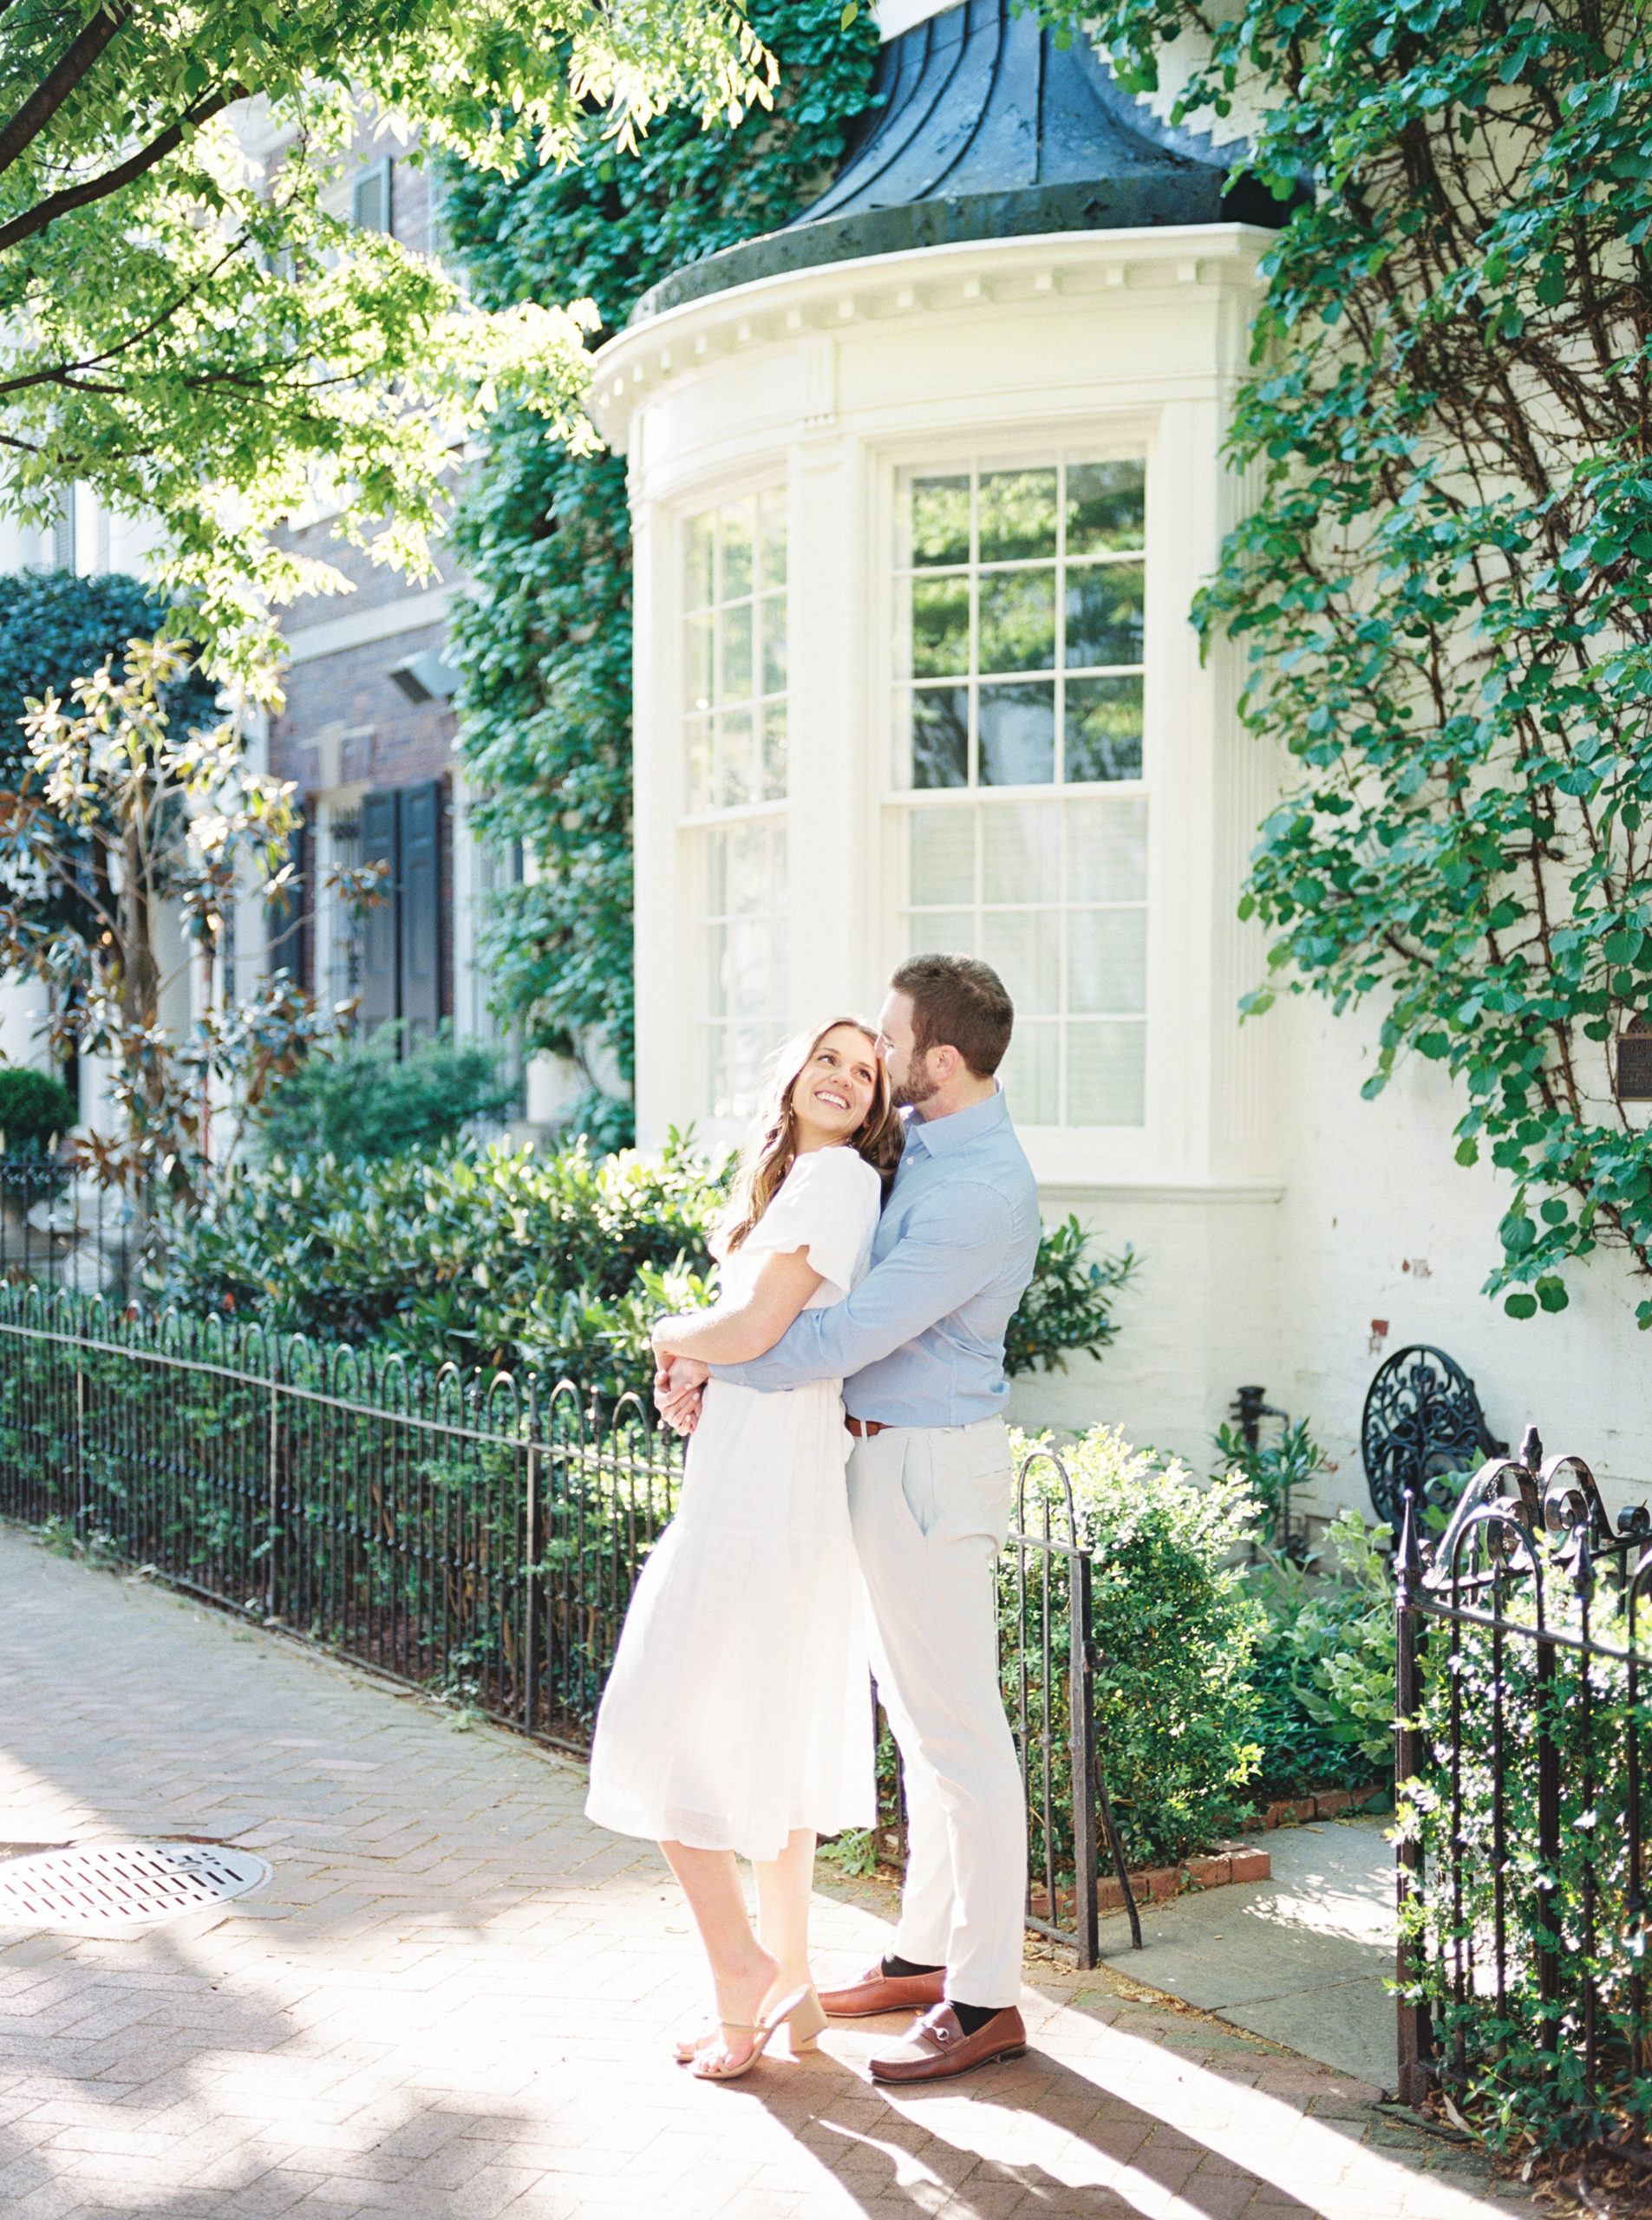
{"type": "Point", "coordinates": [738, 1707]}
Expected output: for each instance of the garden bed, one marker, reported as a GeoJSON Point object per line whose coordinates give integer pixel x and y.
{"type": "Point", "coordinates": [1374, 1798]}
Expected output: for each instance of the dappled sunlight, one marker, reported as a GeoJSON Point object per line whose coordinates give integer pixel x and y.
{"type": "Point", "coordinates": [456, 1996]}
{"type": "Point", "coordinates": [1344, 1914]}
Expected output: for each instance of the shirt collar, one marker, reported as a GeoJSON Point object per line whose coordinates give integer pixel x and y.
{"type": "Point", "coordinates": [936, 1135]}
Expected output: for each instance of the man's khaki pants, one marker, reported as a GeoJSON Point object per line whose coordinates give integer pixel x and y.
{"type": "Point", "coordinates": [931, 1508]}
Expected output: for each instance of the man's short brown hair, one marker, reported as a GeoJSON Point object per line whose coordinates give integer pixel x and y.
{"type": "Point", "coordinates": [958, 1002]}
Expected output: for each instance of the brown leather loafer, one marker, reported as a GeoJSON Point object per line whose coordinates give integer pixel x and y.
{"type": "Point", "coordinates": [876, 1991]}
{"type": "Point", "coordinates": [938, 2047]}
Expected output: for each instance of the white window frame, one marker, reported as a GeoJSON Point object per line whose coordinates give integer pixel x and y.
{"type": "Point", "coordinates": [1058, 1151]}
{"type": "Point", "coordinates": [693, 826]}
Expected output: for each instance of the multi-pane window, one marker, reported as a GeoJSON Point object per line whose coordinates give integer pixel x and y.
{"type": "Point", "coordinates": [1018, 626]}
{"type": "Point", "coordinates": [1053, 895]}
{"type": "Point", "coordinates": [1020, 594]}
{"type": "Point", "coordinates": [734, 785]}
{"type": "Point", "coordinates": [734, 642]}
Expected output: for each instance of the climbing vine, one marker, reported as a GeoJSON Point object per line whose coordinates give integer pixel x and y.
{"type": "Point", "coordinates": [545, 645]}
{"type": "Point", "coordinates": [1446, 588]}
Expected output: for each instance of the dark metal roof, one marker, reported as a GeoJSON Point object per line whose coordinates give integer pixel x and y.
{"type": "Point", "coordinates": [985, 129]}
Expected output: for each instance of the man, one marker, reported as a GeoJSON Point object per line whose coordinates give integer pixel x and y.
{"type": "Point", "coordinates": [919, 1347]}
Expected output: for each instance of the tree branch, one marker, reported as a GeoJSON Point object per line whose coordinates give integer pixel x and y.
{"type": "Point", "coordinates": [99, 188]}
{"type": "Point", "coordinates": [60, 80]}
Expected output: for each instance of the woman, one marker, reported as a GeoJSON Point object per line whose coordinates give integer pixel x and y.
{"type": "Point", "coordinates": [736, 1720]}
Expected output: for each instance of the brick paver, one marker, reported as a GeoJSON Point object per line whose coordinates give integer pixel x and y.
{"type": "Point", "coordinates": [455, 1999]}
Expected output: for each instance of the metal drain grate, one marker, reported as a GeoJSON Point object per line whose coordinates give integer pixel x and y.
{"type": "Point", "coordinates": [111, 1886]}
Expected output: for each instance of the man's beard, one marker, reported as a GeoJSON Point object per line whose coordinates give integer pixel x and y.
{"type": "Point", "coordinates": [912, 1092]}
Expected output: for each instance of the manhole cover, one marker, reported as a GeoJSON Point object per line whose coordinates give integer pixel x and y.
{"type": "Point", "coordinates": [121, 1884]}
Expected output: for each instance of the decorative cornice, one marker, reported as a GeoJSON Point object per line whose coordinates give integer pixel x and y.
{"type": "Point", "coordinates": [973, 277]}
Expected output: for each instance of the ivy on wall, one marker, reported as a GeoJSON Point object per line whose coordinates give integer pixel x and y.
{"type": "Point", "coordinates": [1445, 589]}
{"type": "Point", "coordinates": [545, 645]}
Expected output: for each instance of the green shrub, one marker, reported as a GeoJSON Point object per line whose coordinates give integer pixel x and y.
{"type": "Point", "coordinates": [1175, 1627]}
{"type": "Point", "coordinates": [1560, 2065]}
{"type": "Point", "coordinates": [1069, 1303]}
{"type": "Point", "coordinates": [482, 1255]}
{"type": "Point", "coordinates": [1324, 1668]}
{"type": "Point", "coordinates": [488, 1256]}
{"type": "Point", "coordinates": [1274, 1473]}
{"type": "Point", "coordinates": [57, 626]}
{"type": "Point", "coordinates": [364, 1102]}
{"type": "Point", "coordinates": [35, 1111]}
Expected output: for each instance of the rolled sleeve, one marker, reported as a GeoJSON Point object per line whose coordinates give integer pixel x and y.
{"type": "Point", "coordinates": [948, 1250]}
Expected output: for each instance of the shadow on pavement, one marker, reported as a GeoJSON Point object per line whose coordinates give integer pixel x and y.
{"type": "Point", "coordinates": [1030, 2136]}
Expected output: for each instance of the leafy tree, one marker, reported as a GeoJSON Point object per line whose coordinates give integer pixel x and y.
{"type": "Point", "coordinates": [114, 816]}
{"type": "Point", "coordinates": [545, 645]}
{"type": "Point", "coordinates": [1445, 588]}
{"type": "Point", "coordinates": [186, 330]}
{"type": "Point", "coordinates": [57, 626]}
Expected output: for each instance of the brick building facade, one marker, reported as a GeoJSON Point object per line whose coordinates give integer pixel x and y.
{"type": "Point", "coordinates": [366, 734]}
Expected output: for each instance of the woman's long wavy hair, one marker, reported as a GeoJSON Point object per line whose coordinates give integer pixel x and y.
{"type": "Point", "coordinates": [771, 1147]}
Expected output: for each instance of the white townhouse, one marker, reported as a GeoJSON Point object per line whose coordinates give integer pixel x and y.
{"type": "Point", "coordinates": [922, 486]}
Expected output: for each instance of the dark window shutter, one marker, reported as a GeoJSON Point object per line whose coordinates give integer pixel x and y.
{"type": "Point", "coordinates": [381, 928]}
{"type": "Point", "coordinates": [289, 916]}
{"type": "Point", "coordinates": [421, 911]}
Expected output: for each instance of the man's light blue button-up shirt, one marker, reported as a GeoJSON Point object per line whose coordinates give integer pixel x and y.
{"type": "Point", "coordinates": [921, 1341]}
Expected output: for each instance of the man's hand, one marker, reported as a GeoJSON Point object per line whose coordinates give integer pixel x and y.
{"type": "Point", "coordinates": [679, 1389]}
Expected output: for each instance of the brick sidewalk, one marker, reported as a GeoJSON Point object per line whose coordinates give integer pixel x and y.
{"type": "Point", "coordinates": [456, 1996]}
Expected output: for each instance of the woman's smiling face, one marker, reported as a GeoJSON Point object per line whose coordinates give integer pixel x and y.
{"type": "Point", "coordinates": [834, 1091]}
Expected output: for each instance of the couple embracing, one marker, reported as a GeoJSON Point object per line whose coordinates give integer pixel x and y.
{"type": "Point", "coordinates": [883, 1227]}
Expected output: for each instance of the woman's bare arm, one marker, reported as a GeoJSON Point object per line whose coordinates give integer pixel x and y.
{"type": "Point", "coordinates": [730, 1333]}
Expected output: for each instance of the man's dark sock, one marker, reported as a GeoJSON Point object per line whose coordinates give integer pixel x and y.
{"type": "Point", "coordinates": [973, 2017]}
{"type": "Point", "coordinates": [904, 1969]}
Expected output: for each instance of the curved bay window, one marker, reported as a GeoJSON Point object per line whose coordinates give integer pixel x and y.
{"type": "Point", "coordinates": [734, 785]}
{"type": "Point", "coordinates": [1019, 597]}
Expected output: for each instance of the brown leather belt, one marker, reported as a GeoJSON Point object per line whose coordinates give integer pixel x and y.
{"type": "Point", "coordinates": [865, 1428]}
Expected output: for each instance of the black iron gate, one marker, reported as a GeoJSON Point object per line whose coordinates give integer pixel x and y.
{"type": "Point", "coordinates": [1521, 1657]}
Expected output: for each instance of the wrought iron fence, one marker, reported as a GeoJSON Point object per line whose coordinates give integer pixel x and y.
{"type": "Point", "coordinates": [476, 1535]}
{"type": "Point", "coordinates": [59, 1229]}
{"type": "Point", "coordinates": [1522, 1663]}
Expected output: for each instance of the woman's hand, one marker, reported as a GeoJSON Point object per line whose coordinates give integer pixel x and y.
{"type": "Point", "coordinates": [679, 1384]}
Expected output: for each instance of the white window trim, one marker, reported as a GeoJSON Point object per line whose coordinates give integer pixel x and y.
{"type": "Point", "coordinates": [1058, 1154]}
{"type": "Point", "coordinates": [688, 825]}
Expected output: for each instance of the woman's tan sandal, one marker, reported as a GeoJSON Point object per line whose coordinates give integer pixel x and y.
{"type": "Point", "coordinates": [707, 2069]}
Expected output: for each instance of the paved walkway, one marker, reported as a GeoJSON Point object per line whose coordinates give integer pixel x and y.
{"type": "Point", "coordinates": [455, 1996]}
{"type": "Point", "coordinates": [1300, 1958]}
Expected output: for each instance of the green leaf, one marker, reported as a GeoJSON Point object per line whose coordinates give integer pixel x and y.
{"type": "Point", "coordinates": [1520, 1305]}
{"type": "Point", "coordinates": [1551, 1292]}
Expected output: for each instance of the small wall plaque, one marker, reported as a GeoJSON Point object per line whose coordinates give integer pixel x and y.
{"type": "Point", "coordinates": [1633, 1069]}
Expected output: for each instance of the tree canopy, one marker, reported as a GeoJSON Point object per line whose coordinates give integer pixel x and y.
{"type": "Point", "coordinates": [545, 642]}
{"type": "Point", "coordinates": [184, 328]}
{"type": "Point", "coordinates": [57, 626]}
{"type": "Point", "coordinates": [1445, 587]}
